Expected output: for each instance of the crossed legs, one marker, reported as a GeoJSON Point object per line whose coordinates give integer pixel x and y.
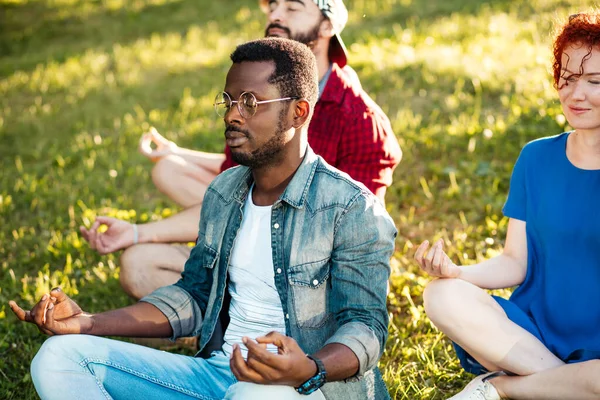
{"type": "Point", "coordinates": [146, 267]}
{"type": "Point", "coordinates": [73, 367]}
{"type": "Point", "coordinates": [476, 322]}
{"type": "Point", "coordinates": [182, 181]}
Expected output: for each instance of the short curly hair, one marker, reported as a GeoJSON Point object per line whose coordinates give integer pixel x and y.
{"type": "Point", "coordinates": [581, 28]}
{"type": "Point", "coordinates": [295, 72]}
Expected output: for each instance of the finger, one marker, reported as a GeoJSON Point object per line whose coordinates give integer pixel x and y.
{"type": "Point", "coordinates": [49, 326]}
{"type": "Point", "coordinates": [44, 328]}
{"type": "Point", "coordinates": [45, 310]}
{"type": "Point", "coordinates": [58, 294]}
{"type": "Point", "coordinates": [438, 257]}
{"type": "Point", "coordinates": [145, 138]}
{"type": "Point", "coordinates": [444, 266]}
{"type": "Point", "coordinates": [160, 153]}
{"type": "Point", "coordinates": [429, 257]}
{"type": "Point", "coordinates": [96, 224]}
{"type": "Point", "coordinates": [144, 146]}
{"type": "Point", "coordinates": [91, 238]}
{"type": "Point", "coordinates": [260, 353]}
{"type": "Point", "coordinates": [44, 331]}
{"type": "Point", "coordinates": [93, 234]}
{"type": "Point", "coordinates": [103, 220]}
{"type": "Point", "coordinates": [232, 364]}
{"type": "Point", "coordinates": [275, 338]}
{"type": "Point", "coordinates": [420, 252]}
{"type": "Point", "coordinates": [242, 372]}
{"type": "Point", "coordinates": [84, 233]}
{"type": "Point", "coordinates": [266, 372]}
{"type": "Point", "coordinates": [156, 137]}
{"type": "Point", "coordinates": [19, 312]}
{"type": "Point", "coordinates": [39, 310]}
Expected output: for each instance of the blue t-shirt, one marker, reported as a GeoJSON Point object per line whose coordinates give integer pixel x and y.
{"type": "Point", "coordinates": [560, 204]}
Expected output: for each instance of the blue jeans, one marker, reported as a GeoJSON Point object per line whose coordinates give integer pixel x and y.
{"type": "Point", "coordinates": [88, 367]}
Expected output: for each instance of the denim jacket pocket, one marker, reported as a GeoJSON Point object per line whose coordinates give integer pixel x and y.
{"type": "Point", "coordinates": [209, 258]}
{"type": "Point", "coordinates": [309, 284]}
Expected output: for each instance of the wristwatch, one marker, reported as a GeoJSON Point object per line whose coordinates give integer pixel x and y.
{"type": "Point", "coordinates": [314, 383]}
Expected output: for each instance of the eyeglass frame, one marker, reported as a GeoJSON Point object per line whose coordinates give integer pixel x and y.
{"type": "Point", "coordinates": [239, 107]}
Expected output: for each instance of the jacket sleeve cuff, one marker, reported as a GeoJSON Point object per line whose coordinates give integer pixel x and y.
{"type": "Point", "coordinates": [179, 307]}
{"type": "Point", "coordinates": [362, 341]}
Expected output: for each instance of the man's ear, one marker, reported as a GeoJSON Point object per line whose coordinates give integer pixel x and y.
{"type": "Point", "coordinates": [301, 113]}
{"type": "Point", "coordinates": [326, 29]}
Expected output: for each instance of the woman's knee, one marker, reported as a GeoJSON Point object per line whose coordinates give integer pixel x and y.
{"type": "Point", "coordinates": [131, 261]}
{"type": "Point", "coordinates": [450, 303]}
{"type": "Point", "coordinates": [440, 294]}
{"type": "Point", "coordinates": [445, 299]}
{"type": "Point", "coordinates": [166, 169]}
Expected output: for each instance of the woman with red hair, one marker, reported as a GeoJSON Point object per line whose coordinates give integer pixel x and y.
{"type": "Point", "coordinates": [543, 343]}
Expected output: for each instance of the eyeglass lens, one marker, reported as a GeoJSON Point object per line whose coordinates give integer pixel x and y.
{"type": "Point", "coordinates": [247, 104]}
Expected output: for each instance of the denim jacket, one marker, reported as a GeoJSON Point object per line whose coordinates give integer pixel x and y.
{"type": "Point", "coordinates": [331, 243]}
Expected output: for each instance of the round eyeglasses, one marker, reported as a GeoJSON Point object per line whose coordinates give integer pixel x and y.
{"type": "Point", "coordinates": [246, 104]}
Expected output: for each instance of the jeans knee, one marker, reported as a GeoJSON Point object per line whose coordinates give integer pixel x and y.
{"type": "Point", "coordinates": [50, 357]}
{"type": "Point", "coordinates": [253, 391]}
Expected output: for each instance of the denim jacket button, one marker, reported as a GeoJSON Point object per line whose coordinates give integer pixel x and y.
{"type": "Point", "coordinates": [276, 226]}
{"type": "Point", "coordinates": [315, 282]}
{"type": "Point", "coordinates": [278, 270]}
{"type": "Point", "coordinates": [287, 316]}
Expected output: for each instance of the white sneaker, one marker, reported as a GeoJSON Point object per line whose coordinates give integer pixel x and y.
{"type": "Point", "coordinates": [480, 388]}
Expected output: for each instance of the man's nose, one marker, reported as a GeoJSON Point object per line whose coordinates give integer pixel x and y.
{"type": "Point", "coordinates": [277, 13]}
{"type": "Point", "coordinates": [233, 116]}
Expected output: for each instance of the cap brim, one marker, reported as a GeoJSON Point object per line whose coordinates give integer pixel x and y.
{"type": "Point", "coordinates": [337, 51]}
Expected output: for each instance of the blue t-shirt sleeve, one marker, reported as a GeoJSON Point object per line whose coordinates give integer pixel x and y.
{"type": "Point", "coordinates": [516, 203]}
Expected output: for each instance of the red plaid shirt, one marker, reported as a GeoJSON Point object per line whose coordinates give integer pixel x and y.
{"type": "Point", "coordinates": [351, 132]}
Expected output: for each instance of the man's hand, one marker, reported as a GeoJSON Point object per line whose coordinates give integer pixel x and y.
{"type": "Point", "coordinates": [290, 367]}
{"type": "Point", "coordinates": [163, 148]}
{"type": "Point", "coordinates": [119, 235]}
{"type": "Point", "coordinates": [55, 314]}
{"type": "Point", "coordinates": [436, 262]}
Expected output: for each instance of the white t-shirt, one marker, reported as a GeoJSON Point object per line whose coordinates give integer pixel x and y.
{"type": "Point", "coordinates": [255, 308]}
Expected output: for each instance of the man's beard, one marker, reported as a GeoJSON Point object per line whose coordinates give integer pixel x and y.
{"type": "Point", "coordinates": [269, 153]}
{"type": "Point", "coordinates": [309, 38]}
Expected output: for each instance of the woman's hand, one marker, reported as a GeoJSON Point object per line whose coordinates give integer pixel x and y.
{"type": "Point", "coordinates": [435, 261]}
{"type": "Point", "coordinates": [163, 148]}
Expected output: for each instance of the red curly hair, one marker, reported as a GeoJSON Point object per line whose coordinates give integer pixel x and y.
{"type": "Point", "coordinates": [582, 28]}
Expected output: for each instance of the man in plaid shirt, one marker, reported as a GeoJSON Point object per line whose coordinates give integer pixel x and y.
{"type": "Point", "coordinates": [348, 129]}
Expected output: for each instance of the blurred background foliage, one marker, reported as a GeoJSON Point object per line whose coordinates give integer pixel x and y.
{"type": "Point", "coordinates": [466, 83]}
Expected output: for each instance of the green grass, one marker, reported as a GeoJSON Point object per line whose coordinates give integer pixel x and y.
{"type": "Point", "coordinates": [466, 84]}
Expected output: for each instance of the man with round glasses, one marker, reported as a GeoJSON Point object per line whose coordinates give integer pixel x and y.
{"type": "Point", "coordinates": [286, 286]}
{"type": "Point", "coordinates": [348, 130]}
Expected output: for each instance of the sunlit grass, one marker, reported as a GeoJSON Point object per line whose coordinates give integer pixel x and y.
{"type": "Point", "coordinates": [465, 82]}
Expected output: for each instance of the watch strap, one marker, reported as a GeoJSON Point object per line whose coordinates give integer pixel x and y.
{"type": "Point", "coordinates": [315, 382]}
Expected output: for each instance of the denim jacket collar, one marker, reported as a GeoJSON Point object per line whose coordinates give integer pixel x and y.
{"type": "Point", "coordinates": [295, 193]}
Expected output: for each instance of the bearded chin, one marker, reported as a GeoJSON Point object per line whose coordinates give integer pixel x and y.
{"type": "Point", "coordinates": [309, 38]}
{"type": "Point", "coordinates": [267, 155]}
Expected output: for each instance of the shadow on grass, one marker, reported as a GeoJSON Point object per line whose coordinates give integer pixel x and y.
{"type": "Point", "coordinates": [35, 25]}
